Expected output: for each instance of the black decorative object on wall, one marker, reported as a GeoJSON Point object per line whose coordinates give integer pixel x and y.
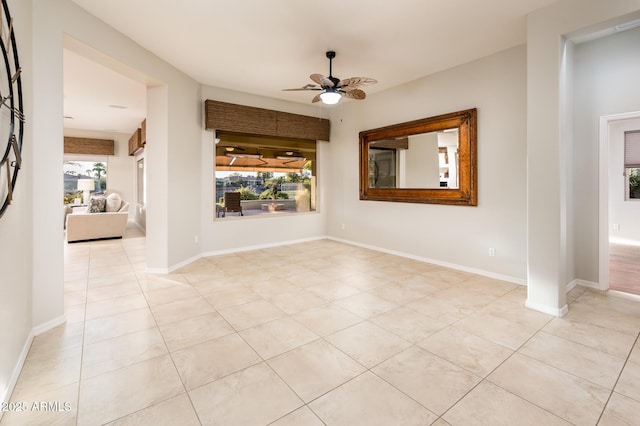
{"type": "Point", "coordinates": [11, 110]}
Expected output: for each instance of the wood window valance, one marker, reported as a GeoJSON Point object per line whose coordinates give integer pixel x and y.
{"type": "Point", "coordinates": [135, 142]}
{"type": "Point", "coordinates": [90, 146]}
{"type": "Point", "coordinates": [258, 121]}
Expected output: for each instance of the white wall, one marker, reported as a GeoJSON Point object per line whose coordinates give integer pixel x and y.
{"type": "Point", "coordinates": [173, 129]}
{"type": "Point", "coordinates": [16, 243]}
{"type": "Point", "coordinates": [120, 166]}
{"type": "Point", "coordinates": [422, 162]}
{"type": "Point", "coordinates": [233, 233]}
{"type": "Point", "coordinates": [31, 247]}
{"type": "Point", "coordinates": [549, 194]}
{"type": "Point", "coordinates": [457, 235]}
{"type": "Point", "coordinates": [605, 82]}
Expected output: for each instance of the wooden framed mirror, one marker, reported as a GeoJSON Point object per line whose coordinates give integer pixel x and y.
{"type": "Point", "coordinates": [432, 160]}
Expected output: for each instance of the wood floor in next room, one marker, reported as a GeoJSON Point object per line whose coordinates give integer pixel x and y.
{"type": "Point", "coordinates": [624, 267]}
{"type": "Point", "coordinates": [322, 333]}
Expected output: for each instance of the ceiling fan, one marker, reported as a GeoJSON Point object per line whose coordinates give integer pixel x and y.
{"type": "Point", "coordinates": [333, 88]}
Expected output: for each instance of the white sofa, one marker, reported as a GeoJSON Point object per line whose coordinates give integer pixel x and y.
{"type": "Point", "coordinates": [82, 226]}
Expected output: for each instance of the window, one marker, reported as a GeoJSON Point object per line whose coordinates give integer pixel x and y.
{"type": "Point", "coordinates": [632, 164]}
{"type": "Point", "coordinates": [141, 184]}
{"type": "Point", "coordinates": [273, 175]}
{"type": "Point", "coordinates": [83, 167]}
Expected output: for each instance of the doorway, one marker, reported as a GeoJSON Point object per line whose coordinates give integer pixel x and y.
{"type": "Point", "coordinates": [619, 209]}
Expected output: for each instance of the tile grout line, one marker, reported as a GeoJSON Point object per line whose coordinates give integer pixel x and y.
{"type": "Point", "coordinates": [332, 302]}
{"type": "Point", "coordinates": [482, 379]}
{"type": "Point", "coordinates": [485, 378]}
{"type": "Point", "coordinates": [263, 360]}
{"type": "Point", "coordinates": [168, 353]}
{"type": "Point", "coordinates": [604, 408]}
{"type": "Point", "coordinates": [163, 340]}
{"type": "Point", "coordinates": [84, 330]}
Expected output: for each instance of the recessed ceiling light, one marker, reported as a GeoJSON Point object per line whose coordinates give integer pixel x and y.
{"type": "Point", "coordinates": [117, 106]}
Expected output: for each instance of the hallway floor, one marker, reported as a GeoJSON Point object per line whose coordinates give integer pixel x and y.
{"type": "Point", "coordinates": [322, 333]}
{"type": "Point", "coordinates": [624, 268]}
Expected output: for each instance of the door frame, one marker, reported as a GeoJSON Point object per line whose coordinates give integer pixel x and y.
{"type": "Point", "coordinates": [603, 194]}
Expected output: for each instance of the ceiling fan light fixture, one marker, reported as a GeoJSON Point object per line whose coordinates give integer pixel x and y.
{"type": "Point", "coordinates": [330, 98]}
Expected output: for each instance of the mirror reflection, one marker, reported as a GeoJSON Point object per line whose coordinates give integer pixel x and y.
{"type": "Point", "coordinates": [425, 160]}
{"type": "Point", "coordinates": [431, 160]}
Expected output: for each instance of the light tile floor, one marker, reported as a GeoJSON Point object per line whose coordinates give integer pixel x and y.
{"type": "Point", "coordinates": [322, 333]}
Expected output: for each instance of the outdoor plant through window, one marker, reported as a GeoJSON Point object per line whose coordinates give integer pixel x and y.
{"type": "Point", "coordinates": [272, 175]}
{"type": "Point", "coordinates": [633, 175]}
{"type": "Point", "coordinates": [75, 170]}
{"type": "Point", "coordinates": [632, 164]}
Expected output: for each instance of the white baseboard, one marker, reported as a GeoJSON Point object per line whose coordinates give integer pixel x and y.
{"type": "Point", "coordinates": [585, 283]}
{"type": "Point", "coordinates": [144, 231]}
{"type": "Point", "coordinates": [42, 328]}
{"type": "Point", "coordinates": [623, 295]}
{"type": "Point", "coordinates": [489, 274]}
{"type": "Point", "coordinates": [261, 246]}
{"type": "Point", "coordinates": [556, 312]}
{"type": "Point", "coordinates": [6, 392]}
{"type": "Point", "coordinates": [172, 268]}
{"type": "Point", "coordinates": [36, 331]}
{"type": "Point", "coordinates": [228, 251]}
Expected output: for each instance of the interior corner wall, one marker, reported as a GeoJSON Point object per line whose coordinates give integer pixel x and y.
{"type": "Point", "coordinates": [605, 83]}
{"type": "Point", "coordinates": [121, 176]}
{"type": "Point", "coordinates": [48, 260]}
{"type": "Point", "coordinates": [180, 127]}
{"type": "Point", "coordinates": [156, 161]}
{"type": "Point", "coordinates": [547, 274]}
{"type": "Point", "coordinates": [456, 235]}
{"type": "Point", "coordinates": [567, 160]}
{"type": "Point", "coordinates": [16, 228]}
{"type": "Point", "coordinates": [183, 166]}
{"type": "Point", "coordinates": [235, 234]}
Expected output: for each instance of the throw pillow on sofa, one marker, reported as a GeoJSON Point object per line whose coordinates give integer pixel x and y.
{"type": "Point", "coordinates": [113, 202]}
{"type": "Point", "coordinates": [96, 205]}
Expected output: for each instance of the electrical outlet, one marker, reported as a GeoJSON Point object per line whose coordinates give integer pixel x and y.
{"type": "Point", "coordinates": [196, 239]}
{"type": "Point", "coordinates": [343, 226]}
{"type": "Point", "coordinates": [616, 226]}
{"type": "Point", "coordinates": [492, 251]}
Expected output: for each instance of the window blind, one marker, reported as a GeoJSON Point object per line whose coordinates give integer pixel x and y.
{"type": "Point", "coordinates": [632, 149]}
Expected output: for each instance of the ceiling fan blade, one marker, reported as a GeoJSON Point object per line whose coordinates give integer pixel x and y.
{"type": "Point", "coordinates": [356, 82]}
{"type": "Point", "coordinates": [354, 94]}
{"type": "Point", "coordinates": [316, 98]}
{"type": "Point", "coordinates": [305, 87]}
{"type": "Point", "coordinates": [321, 80]}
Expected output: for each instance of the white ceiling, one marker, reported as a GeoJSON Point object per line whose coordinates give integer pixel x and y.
{"type": "Point", "coordinates": [261, 47]}
{"type": "Point", "coordinates": [98, 98]}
